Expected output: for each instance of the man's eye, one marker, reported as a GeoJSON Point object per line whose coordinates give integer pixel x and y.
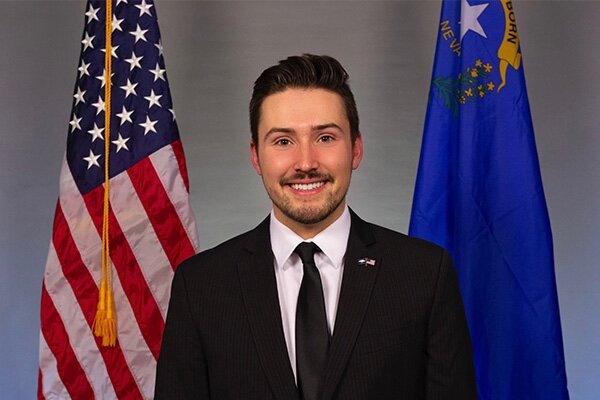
{"type": "Point", "coordinates": [282, 142]}
{"type": "Point", "coordinates": [326, 138]}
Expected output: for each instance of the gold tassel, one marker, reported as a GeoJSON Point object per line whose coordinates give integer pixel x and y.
{"type": "Point", "coordinates": [100, 311]}
{"type": "Point", "coordinates": [109, 332]}
{"type": "Point", "coordinates": [105, 322]}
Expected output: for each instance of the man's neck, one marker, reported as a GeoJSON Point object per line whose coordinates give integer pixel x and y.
{"type": "Point", "coordinates": [308, 231]}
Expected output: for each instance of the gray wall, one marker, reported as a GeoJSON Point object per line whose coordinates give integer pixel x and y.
{"type": "Point", "coordinates": [214, 50]}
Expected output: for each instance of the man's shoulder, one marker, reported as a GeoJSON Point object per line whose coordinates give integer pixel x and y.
{"type": "Point", "coordinates": [399, 245]}
{"type": "Point", "coordinates": [226, 254]}
{"type": "Point", "coordinates": [229, 247]}
{"type": "Point", "coordinates": [388, 235]}
{"type": "Point", "coordinates": [388, 240]}
{"type": "Point", "coordinates": [408, 259]}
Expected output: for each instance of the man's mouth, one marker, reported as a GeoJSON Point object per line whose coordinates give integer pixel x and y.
{"type": "Point", "coordinates": [307, 183]}
{"type": "Point", "coordinates": [307, 186]}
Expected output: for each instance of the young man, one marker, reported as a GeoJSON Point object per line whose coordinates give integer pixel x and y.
{"type": "Point", "coordinates": [314, 303]}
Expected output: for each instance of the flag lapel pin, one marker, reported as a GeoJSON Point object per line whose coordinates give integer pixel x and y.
{"type": "Point", "coordinates": [369, 262]}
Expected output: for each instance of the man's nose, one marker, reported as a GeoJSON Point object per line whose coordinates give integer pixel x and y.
{"type": "Point", "coordinates": [307, 158]}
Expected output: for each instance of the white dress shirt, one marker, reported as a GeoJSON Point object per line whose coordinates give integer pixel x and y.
{"type": "Point", "coordinates": [332, 241]}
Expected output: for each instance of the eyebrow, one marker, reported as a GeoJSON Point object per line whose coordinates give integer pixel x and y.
{"type": "Point", "coordinates": [327, 126]}
{"type": "Point", "coordinates": [315, 128]}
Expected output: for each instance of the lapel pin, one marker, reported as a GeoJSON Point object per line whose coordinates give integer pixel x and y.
{"type": "Point", "coordinates": [366, 261]}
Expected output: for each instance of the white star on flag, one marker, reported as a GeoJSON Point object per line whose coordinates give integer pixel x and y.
{"type": "Point", "coordinates": [468, 18]}
{"type": "Point", "coordinates": [129, 88]}
{"type": "Point", "coordinates": [148, 125]}
{"type": "Point", "coordinates": [153, 99]}
{"type": "Point", "coordinates": [121, 143]}
{"type": "Point", "coordinates": [125, 116]}
{"type": "Point", "coordinates": [75, 123]}
{"type": "Point", "coordinates": [92, 159]}
{"type": "Point", "coordinates": [134, 61]}
{"type": "Point", "coordinates": [144, 8]}
{"type": "Point", "coordinates": [139, 33]}
{"type": "Point", "coordinates": [83, 69]}
{"type": "Point", "coordinates": [87, 41]}
{"type": "Point", "coordinates": [92, 13]}
{"type": "Point", "coordinates": [96, 133]}
{"type": "Point", "coordinates": [99, 105]}
{"type": "Point", "coordinates": [79, 96]}
{"type": "Point", "coordinates": [159, 47]}
{"type": "Point", "coordinates": [113, 51]}
{"type": "Point", "coordinates": [158, 73]}
{"type": "Point", "coordinates": [102, 78]}
{"type": "Point", "coordinates": [116, 23]}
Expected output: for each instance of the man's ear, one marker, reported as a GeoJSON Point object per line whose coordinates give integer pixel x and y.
{"type": "Point", "coordinates": [357, 151]}
{"type": "Point", "coordinates": [254, 157]}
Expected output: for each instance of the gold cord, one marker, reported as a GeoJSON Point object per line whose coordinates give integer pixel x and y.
{"type": "Point", "coordinates": [105, 322]}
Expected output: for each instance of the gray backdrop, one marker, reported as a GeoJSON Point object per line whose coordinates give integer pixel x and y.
{"type": "Point", "coordinates": [214, 51]}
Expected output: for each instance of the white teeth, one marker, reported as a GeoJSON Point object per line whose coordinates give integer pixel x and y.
{"type": "Point", "coordinates": [307, 186]}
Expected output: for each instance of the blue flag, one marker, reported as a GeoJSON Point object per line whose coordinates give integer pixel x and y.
{"type": "Point", "coordinates": [479, 194]}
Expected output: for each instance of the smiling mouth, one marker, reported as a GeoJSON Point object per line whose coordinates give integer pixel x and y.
{"type": "Point", "coordinates": [307, 186]}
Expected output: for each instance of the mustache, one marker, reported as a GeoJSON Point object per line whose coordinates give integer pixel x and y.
{"type": "Point", "coordinates": [305, 175]}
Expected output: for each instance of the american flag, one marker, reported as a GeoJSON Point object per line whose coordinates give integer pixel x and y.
{"type": "Point", "coordinates": [151, 224]}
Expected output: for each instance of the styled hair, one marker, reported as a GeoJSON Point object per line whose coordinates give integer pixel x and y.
{"type": "Point", "coordinates": [305, 71]}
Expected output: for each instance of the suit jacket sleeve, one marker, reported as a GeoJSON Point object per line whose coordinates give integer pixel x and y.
{"type": "Point", "coordinates": [181, 370]}
{"type": "Point", "coordinates": [450, 370]}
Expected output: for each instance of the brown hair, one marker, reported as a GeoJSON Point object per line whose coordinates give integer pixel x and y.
{"type": "Point", "coordinates": [306, 71]}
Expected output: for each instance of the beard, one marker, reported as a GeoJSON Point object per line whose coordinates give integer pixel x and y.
{"type": "Point", "coordinates": [308, 215]}
{"type": "Point", "coordinates": [305, 213]}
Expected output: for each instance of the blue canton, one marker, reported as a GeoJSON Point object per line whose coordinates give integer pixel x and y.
{"type": "Point", "coordinates": [142, 118]}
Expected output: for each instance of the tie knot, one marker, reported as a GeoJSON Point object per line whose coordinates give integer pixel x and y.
{"type": "Point", "coordinates": [306, 251]}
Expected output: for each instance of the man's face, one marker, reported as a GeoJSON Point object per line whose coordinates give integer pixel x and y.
{"type": "Point", "coordinates": [305, 156]}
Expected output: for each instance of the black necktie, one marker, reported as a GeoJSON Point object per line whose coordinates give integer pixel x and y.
{"type": "Point", "coordinates": [312, 334]}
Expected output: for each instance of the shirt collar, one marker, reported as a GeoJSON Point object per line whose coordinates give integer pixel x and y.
{"type": "Point", "coordinates": [333, 240]}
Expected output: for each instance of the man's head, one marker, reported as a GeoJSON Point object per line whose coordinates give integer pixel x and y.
{"type": "Point", "coordinates": [303, 144]}
{"type": "Point", "coordinates": [306, 71]}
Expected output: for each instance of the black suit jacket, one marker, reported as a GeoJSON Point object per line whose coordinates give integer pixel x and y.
{"type": "Point", "coordinates": [400, 330]}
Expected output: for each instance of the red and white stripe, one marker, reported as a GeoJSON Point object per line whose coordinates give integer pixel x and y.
{"type": "Point", "coordinates": [152, 229]}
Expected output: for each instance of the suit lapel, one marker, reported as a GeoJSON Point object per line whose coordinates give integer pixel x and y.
{"type": "Point", "coordinates": [357, 283]}
{"type": "Point", "coordinates": [259, 290]}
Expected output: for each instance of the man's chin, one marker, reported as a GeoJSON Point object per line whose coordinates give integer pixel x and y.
{"type": "Point", "coordinates": [307, 218]}
{"type": "Point", "coordinates": [307, 212]}
{"type": "Point", "coordinates": [309, 215]}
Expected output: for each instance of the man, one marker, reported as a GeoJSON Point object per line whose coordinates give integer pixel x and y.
{"type": "Point", "coordinates": [314, 303]}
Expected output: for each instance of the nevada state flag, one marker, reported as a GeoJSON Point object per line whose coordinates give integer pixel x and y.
{"type": "Point", "coordinates": [479, 194]}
